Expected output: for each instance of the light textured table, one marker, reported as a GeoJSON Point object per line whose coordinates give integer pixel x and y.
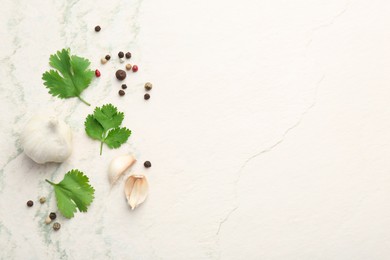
{"type": "Point", "coordinates": [268, 129]}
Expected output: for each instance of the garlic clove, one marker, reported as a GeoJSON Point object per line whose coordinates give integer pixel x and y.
{"type": "Point", "coordinates": [136, 190]}
{"type": "Point", "coordinates": [118, 166]}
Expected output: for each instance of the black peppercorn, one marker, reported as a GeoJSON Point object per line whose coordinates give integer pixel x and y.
{"type": "Point", "coordinates": [30, 203]}
{"type": "Point", "coordinates": [120, 74]}
{"type": "Point", "coordinates": [108, 57]}
{"type": "Point", "coordinates": [146, 96]}
{"type": "Point", "coordinates": [124, 86]}
{"type": "Point", "coordinates": [121, 54]}
{"type": "Point", "coordinates": [121, 93]}
{"type": "Point", "coordinates": [97, 28]}
{"type": "Point", "coordinates": [128, 55]}
{"type": "Point", "coordinates": [147, 164]}
{"type": "Point", "coordinates": [52, 216]}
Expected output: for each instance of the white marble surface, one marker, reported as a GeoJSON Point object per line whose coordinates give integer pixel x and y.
{"type": "Point", "coordinates": [268, 129]}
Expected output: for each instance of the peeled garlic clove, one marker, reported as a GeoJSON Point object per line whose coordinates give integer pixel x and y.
{"type": "Point", "coordinates": [136, 190]}
{"type": "Point", "coordinates": [46, 138]}
{"type": "Point", "coordinates": [118, 166]}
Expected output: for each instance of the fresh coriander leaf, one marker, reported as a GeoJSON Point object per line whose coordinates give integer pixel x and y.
{"type": "Point", "coordinates": [117, 137]}
{"type": "Point", "coordinates": [104, 125]}
{"type": "Point", "coordinates": [71, 76]}
{"type": "Point", "coordinates": [93, 128]}
{"type": "Point", "coordinates": [108, 116]}
{"type": "Point", "coordinates": [72, 193]}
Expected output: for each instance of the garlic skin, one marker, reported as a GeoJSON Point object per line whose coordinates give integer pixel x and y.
{"type": "Point", "coordinates": [136, 190]}
{"type": "Point", "coordinates": [118, 166]}
{"type": "Point", "coordinates": [45, 139]}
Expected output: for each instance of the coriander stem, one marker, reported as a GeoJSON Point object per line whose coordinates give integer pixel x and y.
{"type": "Point", "coordinates": [85, 102]}
{"type": "Point", "coordinates": [50, 182]}
{"type": "Point", "coordinates": [101, 148]}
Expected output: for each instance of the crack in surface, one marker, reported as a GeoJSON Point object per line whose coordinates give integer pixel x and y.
{"type": "Point", "coordinates": [327, 24]}
{"type": "Point", "coordinates": [276, 144]}
{"type": "Point", "coordinates": [267, 150]}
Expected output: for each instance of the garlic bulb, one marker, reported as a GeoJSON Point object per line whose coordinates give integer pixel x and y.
{"type": "Point", "coordinates": [118, 166]}
{"type": "Point", "coordinates": [47, 139]}
{"type": "Point", "coordinates": [136, 190]}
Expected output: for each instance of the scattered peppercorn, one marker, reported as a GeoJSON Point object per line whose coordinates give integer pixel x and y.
{"type": "Point", "coordinates": [97, 28]}
{"type": "Point", "coordinates": [108, 57]}
{"type": "Point", "coordinates": [42, 200]}
{"type": "Point", "coordinates": [30, 203]}
{"type": "Point", "coordinates": [148, 86]}
{"type": "Point", "coordinates": [121, 54]}
{"type": "Point", "coordinates": [121, 60]}
{"type": "Point", "coordinates": [128, 55]}
{"type": "Point", "coordinates": [147, 164]}
{"type": "Point", "coordinates": [124, 86]}
{"type": "Point", "coordinates": [56, 226]}
{"type": "Point", "coordinates": [120, 74]}
{"type": "Point", "coordinates": [146, 96]}
{"type": "Point", "coordinates": [48, 220]}
{"type": "Point", "coordinates": [121, 93]}
{"type": "Point", "coordinates": [135, 68]}
{"type": "Point", "coordinates": [97, 73]}
{"type": "Point", "coordinates": [128, 66]}
{"type": "Point", "coordinates": [103, 61]}
{"type": "Point", "coordinates": [52, 216]}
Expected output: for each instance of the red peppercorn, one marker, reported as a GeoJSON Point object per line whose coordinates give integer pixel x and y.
{"type": "Point", "coordinates": [135, 68]}
{"type": "Point", "coordinates": [97, 73]}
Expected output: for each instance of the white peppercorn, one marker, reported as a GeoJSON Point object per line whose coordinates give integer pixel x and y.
{"type": "Point", "coordinates": [56, 226]}
{"type": "Point", "coordinates": [148, 86]}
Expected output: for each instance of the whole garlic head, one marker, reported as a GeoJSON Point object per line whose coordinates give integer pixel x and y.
{"type": "Point", "coordinates": [136, 190]}
{"type": "Point", "coordinates": [47, 139]}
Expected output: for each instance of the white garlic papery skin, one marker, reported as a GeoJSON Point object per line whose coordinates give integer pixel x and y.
{"type": "Point", "coordinates": [136, 190]}
{"type": "Point", "coordinates": [118, 167]}
{"type": "Point", "coordinates": [47, 139]}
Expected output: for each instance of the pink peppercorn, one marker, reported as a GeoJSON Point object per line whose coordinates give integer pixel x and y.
{"type": "Point", "coordinates": [97, 73]}
{"type": "Point", "coordinates": [135, 68]}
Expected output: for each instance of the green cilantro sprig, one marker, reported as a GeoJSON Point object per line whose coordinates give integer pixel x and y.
{"type": "Point", "coordinates": [72, 193]}
{"type": "Point", "coordinates": [104, 125]}
{"type": "Point", "coordinates": [71, 76]}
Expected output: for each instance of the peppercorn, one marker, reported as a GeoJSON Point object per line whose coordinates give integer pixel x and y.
{"type": "Point", "coordinates": [121, 60]}
{"type": "Point", "coordinates": [97, 73]}
{"type": "Point", "coordinates": [108, 57]}
{"type": "Point", "coordinates": [121, 54]}
{"type": "Point", "coordinates": [121, 93]}
{"type": "Point", "coordinates": [120, 74]}
{"type": "Point", "coordinates": [146, 96]}
{"type": "Point", "coordinates": [103, 60]}
{"type": "Point", "coordinates": [147, 164]}
{"type": "Point", "coordinates": [135, 68]}
{"type": "Point", "coordinates": [30, 203]}
{"type": "Point", "coordinates": [56, 226]}
{"type": "Point", "coordinates": [97, 28]}
{"type": "Point", "coordinates": [52, 216]}
{"type": "Point", "coordinates": [48, 220]}
{"type": "Point", "coordinates": [128, 55]}
{"type": "Point", "coordinates": [42, 200]}
{"type": "Point", "coordinates": [128, 66]}
{"type": "Point", "coordinates": [148, 86]}
{"type": "Point", "coordinates": [124, 86]}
